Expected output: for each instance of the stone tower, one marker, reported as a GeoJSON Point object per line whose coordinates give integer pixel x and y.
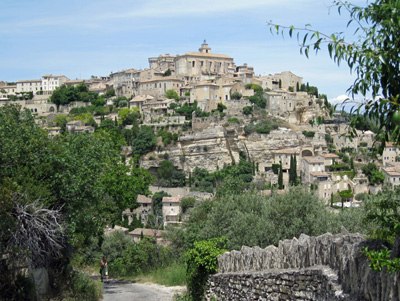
{"type": "Point", "coordinates": [204, 48]}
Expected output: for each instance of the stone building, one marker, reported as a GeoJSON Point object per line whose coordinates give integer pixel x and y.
{"type": "Point", "coordinates": [51, 82]}
{"type": "Point", "coordinates": [280, 101]}
{"type": "Point", "coordinates": [312, 168]}
{"type": "Point", "coordinates": [202, 63]}
{"type": "Point", "coordinates": [158, 86]}
{"type": "Point", "coordinates": [31, 85]}
{"type": "Point", "coordinates": [171, 210]}
{"type": "Point", "coordinates": [390, 152]}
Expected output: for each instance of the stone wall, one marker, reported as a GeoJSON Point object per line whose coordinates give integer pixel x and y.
{"type": "Point", "coordinates": [340, 254]}
{"type": "Point", "coordinates": [319, 283]}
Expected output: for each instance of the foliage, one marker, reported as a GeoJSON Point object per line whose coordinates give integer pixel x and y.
{"type": "Point", "coordinates": [140, 257]}
{"type": "Point", "coordinates": [280, 177]}
{"type": "Point", "coordinates": [382, 210]}
{"type": "Point", "coordinates": [157, 201]}
{"type": "Point", "coordinates": [167, 137]}
{"type": "Point", "coordinates": [265, 126]}
{"type": "Point", "coordinates": [258, 100]}
{"type": "Point", "coordinates": [187, 203]}
{"type": "Point", "coordinates": [144, 142]}
{"type": "Point", "coordinates": [165, 170]}
{"type": "Point", "coordinates": [187, 110]}
{"type": "Point", "coordinates": [167, 73]}
{"type": "Point", "coordinates": [375, 177]}
{"type": "Point", "coordinates": [80, 286]}
{"type": "Point", "coordinates": [221, 107]}
{"type": "Point", "coordinates": [309, 134]}
{"type": "Point", "coordinates": [172, 94]}
{"type": "Point", "coordinates": [254, 87]}
{"type": "Point", "coordinates": [233, 120]}
{"type": "Point", "coordinates": [170, 275]}
{"type": "Point", "coordinates": [66, 94]}
{"type": "Point", "coordinates": [117, 101]}
{"type": "Point", "coordinates": [247, 110]}
{"type": "Point", "coordinates": [293, 180]}
{"type": "Point", "coordinates": [236, 96]}
{"type": "Point", "coordinates": [201, 261]}
{"type": "Point", "coordinates": [361, 196]}
{"type": "Point", "coordinates": [114, 245]}
{"type": "Point", "coordinates": [276, 168]}
{"type": "Point", "coordinates": [128, 116]}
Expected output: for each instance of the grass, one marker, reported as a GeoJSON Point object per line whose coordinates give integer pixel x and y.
{"type": "Point", "coordinates": [172, 275]}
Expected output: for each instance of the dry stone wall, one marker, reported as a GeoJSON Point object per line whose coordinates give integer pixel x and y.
{"type": "Point", "coordinates": [327, 267]}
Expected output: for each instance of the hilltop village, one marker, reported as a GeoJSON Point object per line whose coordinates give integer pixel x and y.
{"type": "Point", "coordinates": [208, 114]}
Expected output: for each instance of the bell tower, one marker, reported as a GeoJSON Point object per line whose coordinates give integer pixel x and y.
{"type": "Point", "coordinates": [204, 47]}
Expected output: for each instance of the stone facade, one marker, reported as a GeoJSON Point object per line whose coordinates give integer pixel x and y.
{"type": "Point", "coordinates": [327, 267]}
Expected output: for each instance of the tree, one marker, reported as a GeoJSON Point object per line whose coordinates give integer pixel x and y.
{"type": "Point", "coordinates": [293, 170]}
{"type": "Point", "coordinates": [165, 170]}
{"type": "Point", "coordinates": [375, 177]}
{"type": "Point", "coordinates": [247, 110]}
{"type": "Point", "coordinates": [144, 142]}
{"type": "Point", "coordinates": [157, 201]}
{"type": "Point", "coordinates": [236, 95]}
{"type": "Point", "coordinates": [280, 177]}
{"type": "Point", "coordinates": [172, 94]}
{"type": "Point", "coordinates": [221, 107]}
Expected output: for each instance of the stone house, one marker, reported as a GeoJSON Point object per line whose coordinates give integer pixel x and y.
{"type": "Point", "coordinates": [311, 165]}
{"type": "Point", "coordinates": [31, 85]}
{"type": "Point", "coordinates": [51, 82]}
{"type": "Point", "coordinates": [53, 131]}
{"type": "Point", "coordinates": [171, 210]}
{"type": "Point", "coordinates": [282, 156]}
{"type": "Point", "coordinates": [345, 141]}
{"type": "Point", "coordinates": [145, 208]}
{"type": "Point", "coordinates": [280, 101]}
{"type": "Point", "coordinates": [329, 158]}
{"type": "Point", "coordinates": [163, 62]}
{"type": "Point", "coordinates": [159, 105]}
{"type": "Point", "coordinates": [77, 126]}
{"type": "Point", "coordinates": [157, 234]}
{"type": "Point", "coordinates": [158, 86]}
{"type": "Point", "coordinates": [390, 152]}
{"type": "Point", "coordinates": [392, 174]}
{"type": "Point", "coordinates": [202, 64]}
{"type": "Point", "coordinates": [244, 73]}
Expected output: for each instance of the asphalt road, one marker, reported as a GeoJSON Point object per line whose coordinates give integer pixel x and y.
{"type": "Point", "coordinates": [123, 291]}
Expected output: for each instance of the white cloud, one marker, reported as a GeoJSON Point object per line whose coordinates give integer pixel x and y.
{"type": "Point", "coordinates": [339, 99]}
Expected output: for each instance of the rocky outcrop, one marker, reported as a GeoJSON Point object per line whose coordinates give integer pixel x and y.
{"type": "Point", "coordinates": [339, 254]}
{"type": "Point", "coordinates": [216, 147]}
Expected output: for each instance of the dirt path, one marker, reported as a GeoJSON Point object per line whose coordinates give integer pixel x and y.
{"type": "Point", "coordinates": [121, 290]}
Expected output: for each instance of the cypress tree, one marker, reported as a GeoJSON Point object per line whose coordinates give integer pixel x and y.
{"type": "Point", "coordinates": [280, 178]}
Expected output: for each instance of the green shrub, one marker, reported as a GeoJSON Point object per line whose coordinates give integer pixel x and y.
{"type": "Point", "coordinates": [201, 261]}
{"type": "Point", "coordinates": [187, 203]}
{"type": "Point", "coordinates": [275, 168]}
{"type": "Point", "coordinates": [361, 196]}
{"type": "Point", "coordinates": [309, 134]}
{"type": "Point", "coordinates": [233, 120]}
{"type": "Point", "coordinates": [82, 287]}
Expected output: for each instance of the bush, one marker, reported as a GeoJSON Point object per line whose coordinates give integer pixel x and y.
{"type": "Point", "coordinates": [114, 245]}
{"type": "Point", "coordinates": [247, 110]}
{"type": "Point", "coordinates": [233, 120]}
{"type": "Point", "coordinates": [201, 261]}
{"type": "Point", "coordinates": [187, 203]}
{"type": "Point", "coordinates": [84, 288]}
{"type": "Point", "coordinates": [309, 134]}
{"type": "Point", "coordinates": [361, 196]}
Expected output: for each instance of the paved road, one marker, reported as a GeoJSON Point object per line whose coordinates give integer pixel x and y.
{"type": "Point", "coordinates": [122, 291]}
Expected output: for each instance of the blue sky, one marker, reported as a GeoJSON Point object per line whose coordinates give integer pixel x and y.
{"type": "Point", "coordinates": [86, 37]}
